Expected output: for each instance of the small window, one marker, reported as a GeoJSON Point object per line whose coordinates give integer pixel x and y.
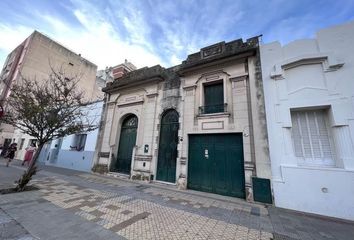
{"type": "Point", "coordinates": [311, 138]}
{"type": "Point", "coordinates": [32, 142]}
{"type": "Point", "coordinates": [22, 142]}
{"type": "Point", "coordinates": [79, 142]}
{"type": "Point", "coordinates": [213, 98]}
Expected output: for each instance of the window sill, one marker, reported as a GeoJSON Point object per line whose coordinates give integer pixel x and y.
{"type": "Point", "coordinates": [214, 115]}
{"type": "Point", "coordinates": [76, 149]}
{"type": "Point", "coordinates": [318, 168]}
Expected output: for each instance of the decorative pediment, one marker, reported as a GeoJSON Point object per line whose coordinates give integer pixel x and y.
{"type": "Point", "coordinates": [212, 76]}
{"type": "Point", "coordinates": [130, 99]}
{"type": "Point", "coordinates": [221, 51]}
{"type": "Point", "coordinates": [328, 60]}
{"type": "Point", "coordinates": [212, 50]}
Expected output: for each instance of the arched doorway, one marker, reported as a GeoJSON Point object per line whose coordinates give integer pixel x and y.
{"type": "Point", "coordinates": [127, 142]}
{"type": "Point", "coordinates": [166, 164]}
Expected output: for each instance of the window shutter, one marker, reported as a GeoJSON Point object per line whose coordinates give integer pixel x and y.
{"type": "Point", "coordinates": [297, 135]}
{"type": "Point", "coordinates": [214, 98]}
{"type": "Point", "coordinates": [323, 136]}
{"type": "Point", "coordinates": [310, 137]}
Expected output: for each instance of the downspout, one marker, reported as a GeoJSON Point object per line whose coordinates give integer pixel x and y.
{"type": "Point", "coordinates": [250, 120]}
{"type": "Point", "coordinates": [153, 141]}
{"type": "Point", "coordinates": [102, 126]}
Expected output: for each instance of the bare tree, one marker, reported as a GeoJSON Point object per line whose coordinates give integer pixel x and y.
{"type": "Point", "coordinates": [46, 110]}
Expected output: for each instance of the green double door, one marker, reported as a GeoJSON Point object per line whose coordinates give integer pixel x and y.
{"type": "Point", "coordinates": [127, 142]}
{"type": "Point", "coordinates": [167, 155]}
{"type": "Point", "coordinates": [216, 164]}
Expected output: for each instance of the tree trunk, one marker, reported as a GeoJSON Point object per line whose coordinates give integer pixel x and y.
{"type": "Point", "coordinates": [31, 170]}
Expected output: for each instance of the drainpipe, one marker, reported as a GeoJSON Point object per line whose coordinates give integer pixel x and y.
{"type": "Point", "coordinates": [153, 155]}
{"type": "Point", "coordinates": [101, 130]}
{"type": "Point", "coordinates": [250, 121]}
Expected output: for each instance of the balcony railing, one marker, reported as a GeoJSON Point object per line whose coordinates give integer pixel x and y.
{"type": "Point", "coordinates": [219, 108]}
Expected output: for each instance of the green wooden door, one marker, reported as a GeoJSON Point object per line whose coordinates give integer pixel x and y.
{"type": "Point", "coordinates": [127, 142]}
{"type": "Point", "coordinates": [167, 155]}
{"type": "Point", "coordinates": [215, 164]}
{"type": "Point", "coordinates": [214, 98]}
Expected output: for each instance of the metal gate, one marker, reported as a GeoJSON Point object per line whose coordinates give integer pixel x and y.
{"type": "Point", "coordinates": [166, 165]}
{"type": "Point", "coordinates": [127, 142]}
{"type": "Point", "coordinates": [216, 165]}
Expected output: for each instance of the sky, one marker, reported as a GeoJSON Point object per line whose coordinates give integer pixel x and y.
{"type": "Point", "coordinates": [150, 32]}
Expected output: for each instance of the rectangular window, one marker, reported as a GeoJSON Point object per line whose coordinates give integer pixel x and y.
{"type": "Point", "coordinates": [311, 138]}
{"type": "Point", "coordinates": [22, 142]}
{"type": "Point", "coordinates": [213, 98]}
{"type": "Point", "coordinates": [32, 142]}
{"type": "Point", "coordinates": [79, 142]}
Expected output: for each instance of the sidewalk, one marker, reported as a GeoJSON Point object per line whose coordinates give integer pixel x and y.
{"type": "Point", "coordinates": [11, 229]}
{"type": "Point", "coordinates": [76, 205]}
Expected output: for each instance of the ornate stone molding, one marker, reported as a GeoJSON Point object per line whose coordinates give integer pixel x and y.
{"type": "Point", "coordinates": [130, 103]}
{"type": "Point", "coordinates": [214, 115]}
{"type": "Point", "coordinates": [249, 166]}
{"type": "Point", "coordinates": [190, 87]}
{"type": "Point", "coordinates": [151, 95]}
{"type": "Point", "coordinates": [239, 78]}
{"type": "Point", "coordinates": [183, 160]}
{"type": "Point", "coordinates": [103, 154]}
{"type": "Point", "coordinates": [212, 76]}
{"type": "Point", "coordinates": [143, 158]}
{"type": "Point", "coordinates": [328, 60]}
{"type": "Point", "coordinates": [212, 50]}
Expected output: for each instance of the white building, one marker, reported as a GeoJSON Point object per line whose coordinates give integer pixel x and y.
{"type": "Point", "coordinates": [309, 96]}
{"type": "Point", "coordinates": [77, 150]}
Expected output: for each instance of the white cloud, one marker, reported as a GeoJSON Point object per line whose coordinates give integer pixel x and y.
{"type": "Point", "coordinates": [96, 40]}
{"type": "Point", "coordinates": [162, 32]}
{"type": "Point", "coordinates": [12, 36]}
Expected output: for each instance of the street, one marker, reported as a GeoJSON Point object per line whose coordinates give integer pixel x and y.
{"type": "Point", "coordinates": [77, 205]}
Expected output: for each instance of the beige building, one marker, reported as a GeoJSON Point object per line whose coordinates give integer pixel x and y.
{"type": "Point", "coordinates": [199, 125]}
{"type": "Point", "coordinates": [34, 58]}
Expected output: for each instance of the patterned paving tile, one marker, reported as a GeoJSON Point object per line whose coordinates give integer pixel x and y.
{"type": "Point", "coordinates": [153, 213]}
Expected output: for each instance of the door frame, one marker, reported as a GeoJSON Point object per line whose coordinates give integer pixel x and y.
{"type": "Point", "coordinates": [115, 148]}
{"type": "Point", "coordinates": [56, 150]}
{"type": "Point", "coordinates": [158, 146]}
{"type": "Point", "coordinates": [216, 133]}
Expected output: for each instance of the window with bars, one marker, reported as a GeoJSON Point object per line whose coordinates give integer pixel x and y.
{"type": "Point", "coordinates": [311, 138]}
{"type": "Point", "coordinates": [79, 142]}
{"type": "Point", "coordinates": [213, 98]}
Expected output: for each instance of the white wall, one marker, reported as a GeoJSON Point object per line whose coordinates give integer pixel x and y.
{"type": "Point", "coordinates": [78, 160]}
{"type": "Point", "coordinates": [312, 73]}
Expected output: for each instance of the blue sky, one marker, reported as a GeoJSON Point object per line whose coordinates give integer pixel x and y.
{"type": "Point", "coordinates": [149, 32]}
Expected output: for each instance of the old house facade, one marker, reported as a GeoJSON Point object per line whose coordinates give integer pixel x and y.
{"type": "Point", "coordinates": [199, 125]}
{"type": "Point", "coordinates": [309, 95]}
